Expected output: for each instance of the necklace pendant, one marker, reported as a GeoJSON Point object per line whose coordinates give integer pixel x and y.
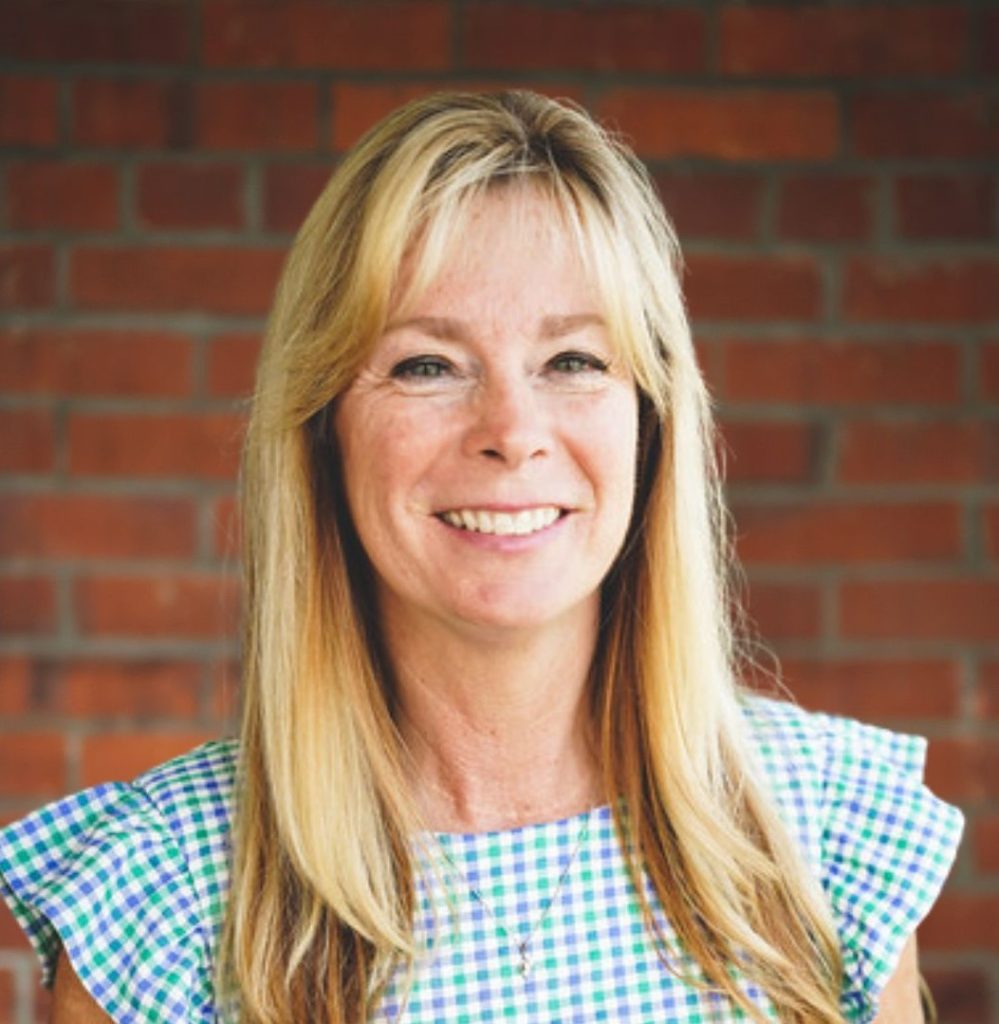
{"type": "Point", "coordinates": [526, 964]}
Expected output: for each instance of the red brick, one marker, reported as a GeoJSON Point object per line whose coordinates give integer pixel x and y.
{"type": "Point", "coordinates": [166, 605]}
{"type": "Point", "coordinates": [28, 443]}
{"type": "Point", "coordinates": [211, 279]}
{"type": "Point", "coordinates": [141, 690]}
{"type": "Point", "coordinates": [232, 364]}
{"type": "Point", "coordinates": [92, 526]}
{"type": "Point", "coordinates": [118, 757]}
{"type": "Point", "coordinates": [115, 31]}
{"type": "Point", "coordinates": [100, 688]}
{"type": "Point", "coordinates": [27, 604]}
{"type": "Point", "coordinates": [356, 108]}
{"type": "Point", "coordinates": [24, 688]}
{"type": "Point", "coordinates": [770, 452]}
{"type": "Point", "coordinates": [988, 371]}
{"type": "Point", "coordinates": [753, 287]}
{"type": "Point", "coordinates": [89, 362]}
{"type": "Point", "coordinates": [27, 276]}
{"type": "Point", "coordinates": [750, 124]}
{"type": "Point", "coordinates": [842, 373]}
{"type": "Point", "coordinates": [273, 116]}
{"type": "Point", "coordinates": [11, 935]}
{"type": "Point", "coordinates": [624, 37]}
{"type": "Point", "coordinates": [390, 36]}
{"type": "Point", "coordinates": [987, 695]}
{"type": "Point", "coordinates": [922, 451]}
{"type": "Point", "coordinates": [785, 611]}
{"type": "Point", "coordinates": [226, 533]}
{"type": "Point", "coordinates": [7, 996]}
{"type": "Point", "coordinates": [826, 209]}
{"type": "Point", "coordinates": [32, 764]}
{"type": "Point", "coordinates": [961, 995]}
{"type": "Point", "coordinates": [155, 445]}
{"type": "Point", "coordinates": [57, 194]}
{"type": "Point", "coordinates": [28, 111]}
{"type": "Point", "coordinates": [956, 291]}
{"type": "Point", "coordinates": [225, 692]}
{"type": "Point", "coordinates": [132, 113]}
{"type": "Point", "coordinates": [964, 768]}
{"type": "Point", "coordinates": [795, 533]}
{"type": "Point", "coordinates": [877, 690]}
{"type": "Point", "coordinates": [920, 609]}
{"type": "Point", "coordinates": [953, 206]}
{"type": "Point", "coordinates": [986, 840]}
{"type": "Point", "coordinates": [988, 40]}
{"type": "Point", "coordinates": [962, 921]}
{"type": "Point", "coordinates": [911, 124]}
{"type": "Point", "coordinates": [17, 692]}
{"type": "Point", "coordinates": [180, 195]}
{"type": "Point", "coordinates": [289, 192]}
{"type": "Point", "coordinates": [817, 41]}
{"type": "Point", "coordinates": [702, 204]}
{"type": "Point", "coordinates": [990, 531]}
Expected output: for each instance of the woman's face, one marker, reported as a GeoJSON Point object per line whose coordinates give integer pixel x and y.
{"type": "Point", "coordinates": [488, 444]}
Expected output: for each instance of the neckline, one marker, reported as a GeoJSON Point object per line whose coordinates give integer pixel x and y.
{"type": "Point", "coordinates": [597, 813]}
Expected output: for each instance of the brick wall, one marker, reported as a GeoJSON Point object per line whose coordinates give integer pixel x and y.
{"type": "Point", "coordinates": [833, 174]}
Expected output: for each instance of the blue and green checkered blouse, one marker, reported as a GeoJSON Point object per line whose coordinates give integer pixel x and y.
{"type": "Point", "coordinates": [131, 879]}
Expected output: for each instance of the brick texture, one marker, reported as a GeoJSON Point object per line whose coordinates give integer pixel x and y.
{"type": "Point", "coordinates": [28, 110]}
{"type": "Point", "coordinates": [100, 31]}
{"type": "Point", "coordinates": [97, 363]}
{"type": "Point", "coordinates": [843, 40]}
{"type": "Point", "coordinates": [625, 37]}
{"type": "Point", "coordinates": [830, 169]}
{"type": "Point", "coordinates": [179, 195]}
{"type": "Point", "coordinates": [751, 124]}
{"type": "Point", "coordinates": [55, 194]}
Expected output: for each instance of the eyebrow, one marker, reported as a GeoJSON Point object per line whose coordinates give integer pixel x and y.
{"type": "Point", "coordinates": [447, 329]}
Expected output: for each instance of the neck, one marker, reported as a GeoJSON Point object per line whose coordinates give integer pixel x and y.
{"type": "Point", "coordinates": [498, 728]}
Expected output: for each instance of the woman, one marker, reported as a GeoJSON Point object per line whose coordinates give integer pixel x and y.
{"type": "Point", "coordinates": [493, 761]}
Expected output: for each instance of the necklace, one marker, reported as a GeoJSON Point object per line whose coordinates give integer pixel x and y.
{"type": "Point", "coordinates": [522, 947]}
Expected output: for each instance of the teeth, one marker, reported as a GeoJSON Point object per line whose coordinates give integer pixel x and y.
{"type": "Point", "coordinates": [503, 524]}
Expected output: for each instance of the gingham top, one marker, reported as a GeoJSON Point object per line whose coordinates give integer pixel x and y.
{"type": "Point", "coordinates": [131, 879]}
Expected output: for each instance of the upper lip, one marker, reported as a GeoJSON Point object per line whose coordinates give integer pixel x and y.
{"type": "Point", "coordinates": [492, 506]}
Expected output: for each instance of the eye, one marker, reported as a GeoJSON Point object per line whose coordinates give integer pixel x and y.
{"type": "Point", "coordinates": [421, 368]}
{"type": "Point", "coordinates": [577, 362]}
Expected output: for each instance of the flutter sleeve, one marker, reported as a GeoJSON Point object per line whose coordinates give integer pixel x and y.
{"type": "Point", "coordinates": [101, 874]}
{"type": "Point", "coordinates": [887, 847]}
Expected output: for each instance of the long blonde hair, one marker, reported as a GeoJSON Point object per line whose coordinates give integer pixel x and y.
{"type": "Point", "coordinates": [321, 900]}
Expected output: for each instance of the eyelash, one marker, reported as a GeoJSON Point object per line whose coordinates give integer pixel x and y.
{"type": "Point", "coordinates": [582, 362]}
{"type": "Point", "coordinates": [434, 367]}
{"type": "Point", "coordinates": [421, 368]}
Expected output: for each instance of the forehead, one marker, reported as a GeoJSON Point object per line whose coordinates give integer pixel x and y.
{"type": "Point", "coordinates": [507, 245]}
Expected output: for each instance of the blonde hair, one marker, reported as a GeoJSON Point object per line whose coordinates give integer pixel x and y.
{"type": "Point", "coordinates": [321, 901]}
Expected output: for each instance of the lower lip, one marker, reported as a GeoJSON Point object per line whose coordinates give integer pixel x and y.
{"type": "Point", "coordinates": [511, 542]}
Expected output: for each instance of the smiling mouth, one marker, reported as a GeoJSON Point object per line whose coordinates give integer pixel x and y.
{"type": "Point", "coordinates": [502, 524]}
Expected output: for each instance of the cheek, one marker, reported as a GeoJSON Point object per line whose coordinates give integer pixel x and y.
{"type": "Point", "coordinates": [612, 429]}
{"type": "Point", "coordinates": [385, 453]}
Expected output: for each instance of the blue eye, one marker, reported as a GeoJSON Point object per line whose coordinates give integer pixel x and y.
{"type": "Point", "coordinates": [577, 362]}
{"type": "Point", "coordinates": [421, 367]}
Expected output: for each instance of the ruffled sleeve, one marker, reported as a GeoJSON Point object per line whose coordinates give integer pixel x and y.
{"type": "Point", "coordinates": [106, 874]}
{"type": "Point", "coordinates": [887, 846]}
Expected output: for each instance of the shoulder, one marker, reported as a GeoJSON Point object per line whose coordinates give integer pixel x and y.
{"type": "Point", "coordinates": [879, 842]}
{"type": "Point", "coordinates": [130, 879]}
{"type": "Point", "coordinates": [794, 744]}
{"type": "Point", "coordinates": [194, 792]}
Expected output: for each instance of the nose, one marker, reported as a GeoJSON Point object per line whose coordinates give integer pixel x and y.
{"type": "Point", "coordinates": [509, 423]}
